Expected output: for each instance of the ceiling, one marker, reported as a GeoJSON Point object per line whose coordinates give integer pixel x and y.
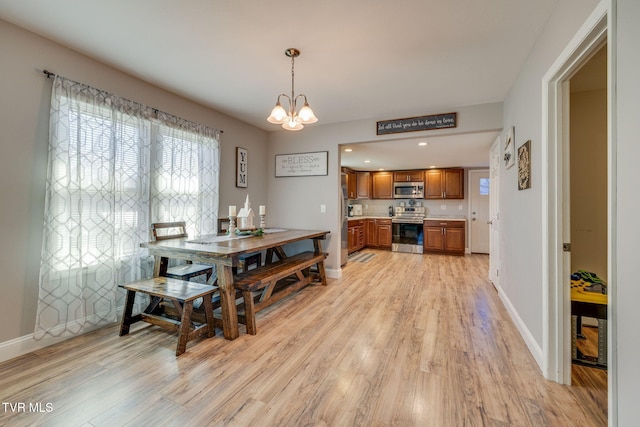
{"type": "Point", "coordinates": [361, 59]}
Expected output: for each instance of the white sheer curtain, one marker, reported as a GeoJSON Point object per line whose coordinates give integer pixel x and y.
{"type": "Point", "coordinates": [102, 187]}
{"type": "Point", "coordinates": [185, 166]}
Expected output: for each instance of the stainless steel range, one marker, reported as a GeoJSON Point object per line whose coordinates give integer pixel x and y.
{"type": "Point", "coordinates": [407, 226]}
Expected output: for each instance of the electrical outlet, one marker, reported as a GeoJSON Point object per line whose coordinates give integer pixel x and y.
{"type": "Point", "coordinates": [460, 207]}
{"type": "Point", "coordinates": [323, 208]}
{"type": "Point", "coordinates": [443, 207]}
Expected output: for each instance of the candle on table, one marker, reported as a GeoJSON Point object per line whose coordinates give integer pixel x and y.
{"type": "Point", "coordinates": [232, 210]}
{"type": "Point", "coordinates": [263, 210]}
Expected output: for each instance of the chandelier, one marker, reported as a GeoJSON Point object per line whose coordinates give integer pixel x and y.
{"type": "Point", "coordinates": [291, 119]}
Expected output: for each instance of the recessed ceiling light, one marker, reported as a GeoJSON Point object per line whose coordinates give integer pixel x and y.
{"type": "Point", "coordinates": [348, 150]}
{"type": "Point", "coordinates": [422, 144]}
{"type": "Point", "coordinates": [367, 161]}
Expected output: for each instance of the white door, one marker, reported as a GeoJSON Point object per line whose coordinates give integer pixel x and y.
{"type": "Point", "coordinates": [479, 202]}
{"type": "Point", "coordinates": [494, 216]}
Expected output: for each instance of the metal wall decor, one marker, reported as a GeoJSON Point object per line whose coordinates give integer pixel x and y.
{"type": "Point", "coordinates": [509, 148]}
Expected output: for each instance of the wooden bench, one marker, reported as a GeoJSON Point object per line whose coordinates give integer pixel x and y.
{"type": "Point", "coordinates": [182, 294]}
{"type": "Point", "coordinates": [265, 278]}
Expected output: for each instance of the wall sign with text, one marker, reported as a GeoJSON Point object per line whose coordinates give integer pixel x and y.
{"type": "Point", "coordinates": [242, 166]}
{"type": "Point", "coordinates": [302, 164]}
{"type": "Point", "coordinates": [414, 124]}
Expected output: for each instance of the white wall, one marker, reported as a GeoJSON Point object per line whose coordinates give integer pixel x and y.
{"type": "Point", "coordinates": [626, 46]}
{"type": "Point", "coordinates": [24, 115]}
{"type": "Point", "coordinates": [295, 202]}
{"type": "Point", "coordinates": [521, 281]}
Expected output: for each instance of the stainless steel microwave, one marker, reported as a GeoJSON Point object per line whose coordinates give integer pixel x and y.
{"type": "Point", "coordinates": [408, 190]}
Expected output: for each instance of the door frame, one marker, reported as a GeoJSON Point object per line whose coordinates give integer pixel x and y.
{"type": "Point", "coordinates": [494, 208]}
{"type": "Point", "coordinates": [555, 197]}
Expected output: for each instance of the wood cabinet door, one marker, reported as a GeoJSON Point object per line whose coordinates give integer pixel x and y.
{"type": "Point", "coordinates": [351, 185]}
{"type": "Point", "coordinates": [433, 184]}
{"type": "Point", "coordinates": [371, 234]}
{"type": "Point", "coordinates": [433, 238]}
{"type": "Point", "coordinates": [384, 233]}
{"type": "Point", "coordinates": [382, 185]}
{"type": "Point", "coordinates": [351, 241]}
{"type": "Point", "coordinates": [453, 183]}
{"type": "Point", "coordinates": [363, 185]}
{"type": "Point", "coordinates": [454, 239]}
{"type": "Point", "coordinates": [408, 176]}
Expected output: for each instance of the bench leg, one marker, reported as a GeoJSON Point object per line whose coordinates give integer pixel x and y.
{"type": "Point", "coordinates": [185, 327]}
{"type": "Point", "coordinates": [249, 312]}
{"type": "Point", "coordinates": [208, 314]}
{"type": "Point", "coordinates": [126, 316]}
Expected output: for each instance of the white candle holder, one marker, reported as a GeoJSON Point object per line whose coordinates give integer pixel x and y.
{"type": "Point", "coordinates": [232, 224]}
{"type": "Point", "coordinates": [263, 223]}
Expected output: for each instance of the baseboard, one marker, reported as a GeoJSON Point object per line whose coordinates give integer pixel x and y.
{"type": "Point", "coordinates": [529, 340]}
{"type": "Point", "coordinates": [28, 343]}
{"type": "Point", "coordinates": [333, 273]}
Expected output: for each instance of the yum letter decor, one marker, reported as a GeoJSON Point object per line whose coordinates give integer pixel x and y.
{"type": "Point", "coordinates": [242, 166]}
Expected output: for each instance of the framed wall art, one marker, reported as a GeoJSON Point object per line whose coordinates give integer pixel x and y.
{"type": "Point", "coordinates": [524, 166]}
{"type": "Point", "coordinates": [242, 166]}
{"type": "Point", "coordinates": [302, 164]}
{"type": "Point", "coordinates": [509, 148]}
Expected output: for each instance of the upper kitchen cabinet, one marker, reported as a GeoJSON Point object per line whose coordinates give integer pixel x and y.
{"type": "Point", "coordinates": [382, 185]}
{"type": "Point", "coordinates": [351, 184]}
{"type": "Point", "coordinates": [444, 184]}
{"type": "Point", "coordinates": [363, 185]}
{"type": "Point", "coordinates": [408, 176]}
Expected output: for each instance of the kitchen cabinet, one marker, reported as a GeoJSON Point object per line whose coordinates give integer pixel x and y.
{"type": "Point", "coordinates": [409, 176]}
{"type": "Point", "coordinates": [378, 233]}
{"type": "Point", "coordinates": [351, 184]}
{"type": "Point", "coordinates": [444, 184]}
{"type": "Point", "coordinates": [444, 236]}
{"type": "Point", "coordinates": [382, 185]}
{"type": "Point", "coordinates": [363, 185]}
{"type": "Point", "coordinates": [356, 235]}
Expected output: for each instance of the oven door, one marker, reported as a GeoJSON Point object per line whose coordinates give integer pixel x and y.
{"type": "Point", "coordinates": [407, 237]}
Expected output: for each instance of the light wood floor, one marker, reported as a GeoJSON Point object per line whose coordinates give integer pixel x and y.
{"type": "Point", "coordinates": [403, 340]}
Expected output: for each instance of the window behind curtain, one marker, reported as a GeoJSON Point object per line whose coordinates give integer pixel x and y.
{"type": "Point", "coordinates": [102, 185]}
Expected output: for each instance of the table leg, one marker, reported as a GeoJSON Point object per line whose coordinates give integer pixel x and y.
{"type": "Point", "coordinates": [227, 301]}
{"type": "Point", "coordinates": [317, 247]}
{"type": "Point", "coordinates": [126, 316]}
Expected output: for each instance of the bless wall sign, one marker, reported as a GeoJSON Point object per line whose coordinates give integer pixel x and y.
{"type": "Point", "coordinates": [414, 124]}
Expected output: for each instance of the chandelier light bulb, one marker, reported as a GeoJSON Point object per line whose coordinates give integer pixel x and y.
{"type": "Point", "coordinates": [278, 115]}
{"type": "Point", "coordinates": [306, 114]}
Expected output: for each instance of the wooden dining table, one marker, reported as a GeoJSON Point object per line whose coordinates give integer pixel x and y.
{"type": "Point", "coordinates": [224, 251]}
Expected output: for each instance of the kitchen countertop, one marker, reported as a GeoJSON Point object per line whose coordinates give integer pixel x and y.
{"type": "Point", "coordinates": [429, 217]}
{"type": "Point", "coordinates": [444, 218]}
{"type": "Point", "coordinates": [374, 216]}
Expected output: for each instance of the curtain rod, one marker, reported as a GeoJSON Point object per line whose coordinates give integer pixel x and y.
{"type": "Point", "coordinates": [49, 74]}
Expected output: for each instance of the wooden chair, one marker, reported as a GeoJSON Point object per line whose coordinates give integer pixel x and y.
{"type": "Point", "coordinates": [174, 230]}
